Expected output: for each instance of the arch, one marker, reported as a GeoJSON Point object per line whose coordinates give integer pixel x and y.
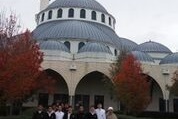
{"type": "Point", "coordinates": [93, 15]}
{"type": "Point", "coordinates": [110, 21]}
{"type": "Point", "coordinates": [157, 96]}
{"type": "Point", "coordinates": [82, 13]}
{"type": "Point", "coordinates": [42, 17]}
{"type": "Point", "coordinates": [103, 18]}
{"type": "Point", "coordinates": [81, 44]}
{"type": "Point", "coordinates": [67, 44]}
{"type": "Point", "coordinates": [59, 13]}
{"type": "Point", "coordinates": [61, 93]}
{"type": "Point", "coordinates": [71, 13]}
{"type": "Point", "coordinates": [98, 91]}
{"type": "Point", "coordinates": [50, 14]}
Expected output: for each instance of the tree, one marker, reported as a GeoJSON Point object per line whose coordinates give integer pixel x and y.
{"type": "Point", "coordinates": [131, 85]}
{"type": "Point", "coordinates": [174, 88]}
{"type": "Point", "coordinates": [21, 73]}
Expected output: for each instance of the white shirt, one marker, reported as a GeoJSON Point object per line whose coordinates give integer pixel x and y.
{"type": "Point", "coordinates": [59, 115]}
{"type": "Point", "coordinates": [100, 113]}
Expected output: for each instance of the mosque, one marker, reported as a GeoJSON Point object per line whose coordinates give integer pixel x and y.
{"type": "Point", "coordinates": [79, 42]}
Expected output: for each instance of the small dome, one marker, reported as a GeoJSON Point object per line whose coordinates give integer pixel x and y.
{"type": "Point", "coordinates": [53, 45]}
{"type": "Point", "coordinates": [128, 44]}
{"type": "Point", "coordinates": [152, 47]}
{"type": "Point", "coordinates": [170, 59]}
{"type": "Point", "coordinates": [141, 56]}
{"type": "Point", "coordinates": [95, 47]}
{"type": "Point", "coordinates": [88, 4]}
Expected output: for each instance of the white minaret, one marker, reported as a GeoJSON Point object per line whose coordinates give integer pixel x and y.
{"type": "Point", "coordinates": [43, 4]}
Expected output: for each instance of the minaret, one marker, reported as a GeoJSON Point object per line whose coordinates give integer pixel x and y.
{"type": "Point", "coordinates": [43, 4]}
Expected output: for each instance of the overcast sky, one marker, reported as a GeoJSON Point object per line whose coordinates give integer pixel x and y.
{"type": "Point", "coordinates": [137, 20]}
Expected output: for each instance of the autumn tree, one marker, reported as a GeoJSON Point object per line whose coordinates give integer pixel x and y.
{"type": "Point", "coordinates": [21, 73]}
{"type": "Point", "coordinates": [131, 86]}
{"type": "Point", "coordinates": [174, 88]}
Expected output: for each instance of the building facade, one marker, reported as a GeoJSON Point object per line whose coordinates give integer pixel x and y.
{"type": "Point", "coordinates": [79, 43]}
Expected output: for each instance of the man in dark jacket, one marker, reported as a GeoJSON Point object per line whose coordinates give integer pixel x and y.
{"type": "Point", "coordinates": [81, 114]}
{"type": "Point", "coordinates": [51, 113]}
{"type": "Point", "coordinates": [69, 114]}
{"type": "Point", "coordinates": [92, 113]}
{"type": "Point", "coordinates": [40, 113]}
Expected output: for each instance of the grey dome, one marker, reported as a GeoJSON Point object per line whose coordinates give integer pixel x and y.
{"type": "Point", "coordinates": [53, 45]}
{"type": "Point", "coordinates": [141, 56]}
{"type": "Point", "coordinates": [170, 59]}
{"type": "Point", "coordinates": [88, 4]}
{"type": "Point", "coordinates": [128, 44]}
{"type": "Point", "coordinates": [95, 47]}
{"type": "Point", "coordinates": [73, 29]}
{"type": "Point", "coordinates": [152, 47]}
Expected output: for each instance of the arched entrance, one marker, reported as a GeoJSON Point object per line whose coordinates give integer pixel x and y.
{"type": "Point", "coordinates": [60, 94]}
{"type": "Point", "coordinates": [91, 90]}
{"type": "Point", "coordinates": [157, 101]}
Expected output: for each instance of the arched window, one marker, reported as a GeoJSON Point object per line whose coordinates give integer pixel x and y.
{"type": "Point", "coordinates": [42, 17]}
{"type": "Point", "coordinates": [115, 52]}
{"type": "Point", "coordinates": [59, 13]}
{"type": "Point", "coordinates": [71, 13]}
{"type": "Point", "coordinates": [81, 44]}
{"type": "Point", "coordinates": [110, 21]}
{"type": "Point", "coordinates": [93, 15]}
{"type": "Point", "coordinates": [67, 44]}
{"type": "Point", "coordinates": [103, 18]}
{"type": "Point", "coordinates": [82, 13]}
{"type": "Point", "coordinates": [50, 14]}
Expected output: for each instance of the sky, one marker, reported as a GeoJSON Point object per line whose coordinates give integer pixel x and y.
{"type": "Point", "coordinates": [137, 20]}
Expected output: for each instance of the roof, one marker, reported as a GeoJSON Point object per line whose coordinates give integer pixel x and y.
{"type": "Point", "coordinates": [53, 45]}
{"type": "Point", "coordinates": [75, 29]}
{"type": "Point", "coordinates": [141, 56]}
{"type": "Point", "coordinates": [128, 44]}
{"type": "Point", "coordinates": [88, 4]}
{"type": "Point", "coordinates": [170, 59]}
{"type": "Point", "coordinates": [95, 47]}
{"type": "Point", "coordinates": [152, 47]}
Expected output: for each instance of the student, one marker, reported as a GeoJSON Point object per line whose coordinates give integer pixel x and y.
{"type": "Point", "coordinates": [69, 114]}
{"type": "Point", "coordinates": [110, 114]}
{"type": "Point", "coordinates": [51, 113]}
{"type": "Point", "coordinates": [92, 113]}
{"type": "Point", "coordinates": [100, 112]}
{"type": "Point", "coordinates": [40, 113]}
{"type": "Point", "coordinates": [81, 114]}
{"type": "Point", "coordinates": [59, 114]}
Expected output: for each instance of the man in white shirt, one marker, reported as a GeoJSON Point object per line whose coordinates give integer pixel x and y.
{"type": "Point", "coordinates": [100, 112]}
{"type": "Point", "coordinates": [59, 113]}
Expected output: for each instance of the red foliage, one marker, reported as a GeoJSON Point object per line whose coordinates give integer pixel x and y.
{"type": "Point", "coordinates": [132, 86]}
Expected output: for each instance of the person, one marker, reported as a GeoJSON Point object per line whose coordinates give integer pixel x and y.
{"type": "Point", "coordinates": [92, 113]}
{"type": "Point", "coordinates": [51, 113]}
{"type": "Point", "coordinates": [110, 114]}
{"type": "Point", "coordinates": [100, 112]}
{"type": "Point", "coordinates": [40, 113]}
{"type": "Point", "coordinates": [69, 114]}
{"type": "Point", "coordinates": [59, 114]}
{"type": "Point", "coordinates": [81, 114]}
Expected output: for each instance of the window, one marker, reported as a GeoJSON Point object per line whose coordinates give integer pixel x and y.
{"type": "Point", "coordinates": [42, 17]}
{"type": "Point", "coordinates": [59, 13]}
{"type": "Point", "coordinates": [103, 18]}
{"type": "Point", "coordinates": [50, 14]}
{"type": "Point", "coordinates": [71, 13]}
{"type": "Point", "coordinates": [82, 13]}
{"type": "Point", "coordinates": [81, 44]}
{"type": "Point", "coordinates": [110, 21]}
{"type": "Point", "coordinates": [115, 52]}
{"type": "Point", "coordinates": [67, 44]}
{"type": "Point", "coordinates": [93, 15]}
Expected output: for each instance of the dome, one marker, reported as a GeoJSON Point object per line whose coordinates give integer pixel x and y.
{"type": "Point", "coordinates": [95, 47]}
{"type": "Point", "coordinates": [170, 59]}
{"type": "Point", "coordinates": [152, 47]}
{"type": "Point", "coordinates": [128, 44]}
{"type": "Point", "coordinates": [74, 29]}
{"type": "Point", "coordinates": [53, 45]}
{"type": "Point", "coordinates": [141, 56]}
{"type": "Point", "coordinates": [88, 4]}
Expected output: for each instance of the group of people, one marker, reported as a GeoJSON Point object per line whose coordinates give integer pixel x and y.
{"type": "Point", "coordinates": [66, 112]}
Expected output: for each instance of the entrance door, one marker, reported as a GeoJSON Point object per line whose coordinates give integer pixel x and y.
{"type": "Point", "coordinates": [175, 105]}
{"type": "Point", "coordinates": [99, 99]}
{"type": "Point", "coordinates": [82, 100]}
{"type": "Point", "coordinates": [62, 98]}
{"type": "Point", "coordinates": [43, 99]}
{"type": "Point", "coordinates": [162, 105]}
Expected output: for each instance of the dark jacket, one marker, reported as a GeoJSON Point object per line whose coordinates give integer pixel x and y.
{"type": "Point", "coordinates": [52, 116]}
{"type": "Point", "coordinates": [80, 115]}
{"type": "Point", "coordinates": [72, 116]}
{"type": "Point", "coordinates": [37, 115]}
{"type": "Point", "coordinates": [91, 116]}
